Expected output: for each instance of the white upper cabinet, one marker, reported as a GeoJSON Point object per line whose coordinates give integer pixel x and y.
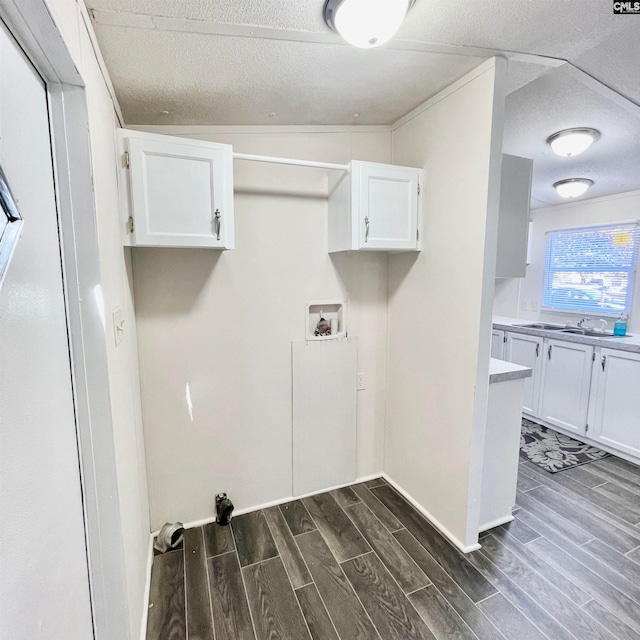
{"type": "Point", "coordinates": [375, 207]}
{"type": "Point", "coordinates": [513, 224]}
{"type": "Point", "coordinates": [617, 401]}
{"type": "Point", "coordinates": [176, 192]}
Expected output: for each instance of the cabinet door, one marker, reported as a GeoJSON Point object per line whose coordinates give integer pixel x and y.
{"type": "Point", "coordinates": [566, 382]}
{"type": "Point", "coordinates": [497, 344]}
{"type": "Point", "coordinates": [513, 223]}
{"type": "Point", "coordinates": [526, 351]}
{"type": "Point", "coordinates": [181, 192]}
{"type": "Point", "coordinates": [387, 206]}
{"type": "Point", "coordinates": [617, 400]}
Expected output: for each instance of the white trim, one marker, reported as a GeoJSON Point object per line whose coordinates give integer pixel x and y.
{"type": "Point", "coordinates": [101, 63]}
{"type": "Point", "coordinates": [276, 129]}
{"type": "Point", "coordinates": [496, 523]}
{"type": "Point", "coordinates": [597, 225]}
{"type": "Point", "coordinates": [275, 503]}
{"type": "Point", "coordinates": [486, 66]}
{"type": "Point", "coordinates": [185, 25]}
{"type": "Point", "coordinates": [586, 201]}
{"type": "Point", "coordinates": [434, 521]}
{"type": "Point", "coordinates": [147, 590]}
{"type": "Point", "coordinates": [34, 27]}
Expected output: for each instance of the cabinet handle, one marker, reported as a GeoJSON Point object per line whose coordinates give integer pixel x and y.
{"type": "Point", "coordinates": [538, 350]}
{"type": "Point", "coordinates": [218, 224]}
{"type": "Point", "coordinates": [366, 233]}
{"type": "Point", "coordinates": [549, 352]}
{"type": "Point", "coordinates": [603, 362]}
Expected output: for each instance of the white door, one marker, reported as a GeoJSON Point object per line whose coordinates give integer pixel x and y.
{"type": "Point", "coordinates": [617, 398]}
{"type": "Point", "coordinates": [181, 191]}
{"type": "Point", "coordinates": [387, 206]}
{"type": "Point", "coordinates": [497, 344]}
{"type": "Point", "coordinates": [526, 351]}
{"type": "Point", "coordinates": [44, 587]}
{"type": "Point", "coordinates": [566, 382]}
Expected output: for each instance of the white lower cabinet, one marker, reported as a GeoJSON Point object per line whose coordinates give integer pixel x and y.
{"type": "Point", "coordinates": [616, 387]}
{"type": "Point", "coordinates": [526, 350]}
{"type": "Point", "coordinates": [565, 384]}
{"type": "Point", "coordinates": [592, 392]}
{"type": "Point", "coordinates": [497, 344]}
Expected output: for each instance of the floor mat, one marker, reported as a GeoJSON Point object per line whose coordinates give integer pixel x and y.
{"type": "Point", "coordinates": [553, 451]}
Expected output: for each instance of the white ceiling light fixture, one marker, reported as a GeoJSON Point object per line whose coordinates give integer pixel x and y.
{"type": "Point", "coordinates": [366, 23]}
{"type": "Point", "coordinates": [572, 187]}
{"type": "Point", "coordinates": [572, 142]}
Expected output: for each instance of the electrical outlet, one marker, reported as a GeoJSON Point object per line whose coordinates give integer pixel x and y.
{"type": "Point", "coordinates": [361, 384]}
{"type": "Point", "coordinates": [534, 305]}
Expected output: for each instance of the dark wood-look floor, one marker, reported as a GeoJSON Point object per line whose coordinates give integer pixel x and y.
{"type": "Point", "coordinates": [361, 563]}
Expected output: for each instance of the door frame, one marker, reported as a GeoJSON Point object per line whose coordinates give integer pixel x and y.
{"type": "Point", "coordinates": [34, 28]}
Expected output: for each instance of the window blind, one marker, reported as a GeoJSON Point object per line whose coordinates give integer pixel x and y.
{"type": "Point", "coordinates": [591, 269]}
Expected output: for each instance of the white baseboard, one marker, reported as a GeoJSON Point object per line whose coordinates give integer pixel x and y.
{"type": "Point", "coordinates": [496, 523]}
{"type": "Point", "coordinates": [199, 523]}
{"type": "Point", "coordinates": [439, 526]}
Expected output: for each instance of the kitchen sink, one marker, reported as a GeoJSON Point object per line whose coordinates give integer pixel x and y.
{"type": "Point", "coordinates": [591, 333]}
{"type": "Point", "coordinates": [560, 328]}
{"type": "Point", "coordinates": [542, 325]}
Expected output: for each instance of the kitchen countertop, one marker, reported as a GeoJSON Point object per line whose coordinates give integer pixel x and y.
{"type": "Point", "coordinates": [628, 343]}
{"type": "Point", "coordinates": [501, 371]}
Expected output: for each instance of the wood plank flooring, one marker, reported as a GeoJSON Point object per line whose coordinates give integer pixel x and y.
{"type": "Point", "coordinates": [361, 563]}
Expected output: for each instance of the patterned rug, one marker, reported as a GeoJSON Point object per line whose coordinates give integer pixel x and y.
{"type": "Point", "coordinates": [553, 451]}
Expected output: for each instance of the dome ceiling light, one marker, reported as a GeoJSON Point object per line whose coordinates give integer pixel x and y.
{"type": "Point", "coordinates": [572, 142]}
{"type": "Point", "coordinates": [572, 187]}
{"type": "Point", "coordinates": [366, 23]}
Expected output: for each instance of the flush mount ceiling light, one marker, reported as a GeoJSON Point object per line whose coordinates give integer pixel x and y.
{"type": "Point", "coordinates": [572, 142]}
{"type": "Point", "coordinates": [572, 187]}
{"type": "Point", "coordinates": [366, 23]}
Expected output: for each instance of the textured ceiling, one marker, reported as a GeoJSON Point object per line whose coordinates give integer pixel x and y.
{"type": "Point", "coordinates": [559, 101]}
{"type": "Point", "coordinates": [275, 62]}
{"type": "Point", "coordinates": [158, 61]}
{"type": "Point", "coordinates": [207, 79]}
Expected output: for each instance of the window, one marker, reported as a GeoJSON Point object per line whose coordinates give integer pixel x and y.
{"type": "Point", "coordinates": [10, 223]}
{"type": "Point", "coordinates": [591, 269]}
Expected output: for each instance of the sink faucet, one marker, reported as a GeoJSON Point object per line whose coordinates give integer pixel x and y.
{"type": "Point", "coordinates": [582, 321]}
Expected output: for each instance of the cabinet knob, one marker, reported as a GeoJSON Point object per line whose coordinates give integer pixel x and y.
{"type": "Point", "coordinates": [549, 352]}
{"type": "Point", "coordinates": [538, 350]}
{"type": "Point", "coordinates": [366, 233]}
{"type": "Point", "coordinates": [603, 362]}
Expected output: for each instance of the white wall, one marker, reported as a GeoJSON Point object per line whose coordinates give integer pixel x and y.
{"type": "Point", "coordinates": [44, 589]}
{"type": "Point", "coordinates": [512, 293]}
{"type": "Point", "coordinates": [440, 303]}
{"type": "Point", "coordinates": [223, 324]}
{"type": "Point", "coordinates": [74, 24]}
